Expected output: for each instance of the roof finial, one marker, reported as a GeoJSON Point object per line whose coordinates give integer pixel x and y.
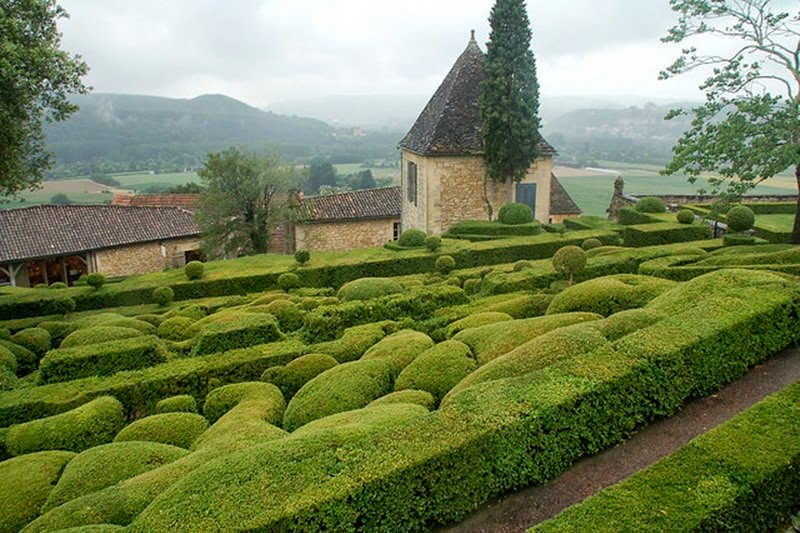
{"type": "Point", "coordinates": [472, 36]}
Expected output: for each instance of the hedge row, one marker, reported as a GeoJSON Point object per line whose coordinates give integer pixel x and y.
{"type": "Point", "coordinates": [772, 208]}
{"type": "Point", "coordinates": [628, 216]}
{"type": "Point", "coordinates": [247, 330]}
{"type": "Point", "coordinates": [484, 228]}
{"type": "Point", "coordinates": [714, 483]}
{"type": "Point", "coordinates": [498, 435]}
{"type": "Point", "coordinates": [664, 233]}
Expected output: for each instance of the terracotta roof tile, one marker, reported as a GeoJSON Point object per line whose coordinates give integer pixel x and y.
{"type": "Point", "coordinates": [52, 230]}
{"type": "Point", "coordinates": [366, 204]}
{"type": "Point", "coordinates": [185, 201]}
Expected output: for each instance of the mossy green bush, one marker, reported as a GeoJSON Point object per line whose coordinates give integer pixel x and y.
{"type": "Point", "coordinates": [445, 264]}
{"type": "Point", "coordinates": [107, 464]}
{"type": "Point", "coordinates": [222, 399]}
{"type": "Point", "coordinates": [98, 334]}
{"type": "Point", "coordinates": [626, 322]}
{"type": "Point", "coordinates": [570, 260]}
{"type": "Point", "coordinates": [342, 388]}
{"type": "Point", "coordinates": [514, 214]}
{"type": "Point", "coordinates": [366, 420]}
{"type": "Point", "coordinates": [101, 359]}
{"type": "Point", "coordinates": [290, 378]}
{"type": "Point", "coordinates": [438, 369]}
{"type": "Point", "coordinates": [590, 244]}
{"type": "Point", "coordinates": [8, 381]}
{"type": "Point", "coordinates": [181, 403]}
{"type": "Point", "coordinates": [522, 264]}
{"type": "Point", "coordinates": [476, 320]}
{"type": "Point", "coordinates": [58, 330]}
{"type": "Point", "coordinates": [8, 360]}
{"type": "Point", "coordinates": [163, 296]}
{"type": "Point", "coordinates": [685, 216]}
{"type": "Point", "coordinates": [738, 239]}
{"type": "Point", "coordinates": [493, 340]}
{"type": "Point", "coordinates": [194, 270]}
{"type": "Point", "coordinates": [26, 360]}
{"type": "Point", "coordinates": [629, 216]}
{"type": "Point", "coordinates": [302, 257]}
{"type": "Point", "coordinates": [664, 233]}
{"type": "Point", "coordinates": [290, 315]}
{"type": "Point", "coordinates": [91, 424]}
{"type": "Point", "coordinates": [243, 426]}
{"type": "Point", "coordinates": [433, 243]}
{"type": "Point", "coordinates": [353, 342]}
{"type": "Point", "coordinates": [36, 340]}
{"type": "Point", "coordinates": [412, 238]}
{"type": "Point", "coordinates": [25, 484]}
{"type": "Point", "coordinates": [288, 281]}
{"type": "Point", "coordinates": [175, 429]}
{"type": "Point", "coordinates": [246, 331]}
{"type": "Point", "coordinates": [416, 397]}
{"type": "Point", "coordinates": [609, 294]}
{"type": "Point", "coordinates": [740, 218]}
{"type": "Point", "coordinates": [368, 288]}
{"type": "Point", "coordinates": [58, 285]}
{"type": "Point", "coordinates": [95, 280]}
{"type": "Point", "coordinates": [175, 328]}
{"type": "Point", "coordinates": [5, 334]}
{"type": "Point", "coordinates": [523, 306]}
{"type": "Point", "coordinates": [651, 204]}
{"type": "Point", "coordinates": [399, 348]}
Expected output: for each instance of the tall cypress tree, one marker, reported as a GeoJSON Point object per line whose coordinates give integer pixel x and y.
{"type": "Point", "coordinates": [510, 94]}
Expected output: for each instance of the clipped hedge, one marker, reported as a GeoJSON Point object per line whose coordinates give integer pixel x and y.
{"type": "Point", "coordinates": [400, 349]}
{"type": "Point", "coordinates": [438, 369]}
{"type": "Point", "coordinates": [515, 214]}
{"type": "Point", "coordinates": [368, 288]}
{"type": "Point", "coordinates": [476, 320]}
{"type": "Point", "coordinates": [664, 233]}
{"type": "Point", "coordinates": [416, 397]}
{"type": "Point", "coordinates": [91, 424]}
{"type": "Point", "coordinates": [175, 328]}
{"type": "Point", "coordinates": [353, 342]}
{"type": "Point", "coordinates": [101, 359]}
{"type": "Point", "coordinates": [609, 294]}
{"type": "Point", "coordinates": [221, 400]}
{"type": "Point", "coordinates": [365, 421]}
{"type": "Point", "coordinates": [246, 331]}
{"type": "Point", "coordinates": [36, 340]}
{"type": "Point", "coordinates": [291, 378]}
{"type": "Point", "coordinates": [175, 429]}
{"type": "Point", "coordinates": [181, 403]}
{"type": "Point", "coordinates": [98, 334]}
{"type": "Point", "coordinates": [629, 216]}
{"type": "Point", "coordinates": [26, 360]}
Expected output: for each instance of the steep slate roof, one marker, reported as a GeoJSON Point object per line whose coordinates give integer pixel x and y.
{"type": "Point", "coordinates": [561, 202]}
{"type": "Point", "coordinates": [451, 122]}
{"type": "Point", "coordinates": [53, 230]}
{"type": "Point", "coordinates": [366, 204]}
{"type": "Point", "coordinates": [184, 201]}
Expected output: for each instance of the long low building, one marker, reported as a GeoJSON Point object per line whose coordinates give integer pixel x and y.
{"type": "Point", "coordinates": [49, 243]}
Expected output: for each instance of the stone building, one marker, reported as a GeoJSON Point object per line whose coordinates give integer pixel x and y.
{"type": "Point", "coordinates": [48, 243]}
{"type": "Point", "coordinates": [444, 178]}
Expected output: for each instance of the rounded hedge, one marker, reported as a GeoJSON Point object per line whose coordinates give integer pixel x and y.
{"type": "Point", "coordinates": [175, 429]}
{"type": "Point", "coordinates": [26, 360]}
{"type": "Point", "coordinates": [344, 387]}
{"type": "Point", "coordinates": [58, 285]}
{"type": "Point", "coordinates": [358, 422]}
{"type": "Point", "coordinates": [569, 259]}
{"type": "Point", "coordinates": [651, 204]}
{"type": "Point", "coordinates": [609, 294]}
{"type": "Point", "coordinates": [5, 334]}
{"type": "Point", "coordinates": [288, 281]}
{"type": "Point", "coordinates": [522, 264]}
{"type": "Point", "coordinates": [625, 322]}
{"type": "Point", "coordinates": [163, 295]}
{"type": "Point", "coordinates": [515, 214]}
{"type": "Point", "coordinates": [438, 369]}
{"type": "Point", "coordinates": [472, 285]}
{"type": "Point", "coordinates": [738, 239]}
{"type": "Point", "coordinates": [8, 360]}
{"type": "Point", "coordinates": [95, 280]}
{"type": "Point", "coordinates": [291, 378]}
{"type": "Point", "coordinates": [222, 399]}
{"type": "Point", "coordinates": [685, 216]}
{"type": "Point", "coordinates": [175, 328]}
{"type": "Point", "coordinates": [415, 397]}
{"type": "Point", "coordinates": [475, 320]}
{"type": "Point", "coordinates": [445, 264]}
{"type": "Point", "coordinates": [194, 270]}
{"type": "Point", "coordinates": [368, 288]}
{"type": "Point", "coordinates": [399, 348]}
{"type": "Point", "coordinates": [98, 334]}
{"type": "Point", "coordinates": [591, 243]}
{"type": "Point", "coordinates": [289, 315]}
{"type": "Point", "coordinates": [740, 218]}
{"type": "Point", "coordinates": [433, 243]}
{"type": "Point", "coordinates": [182, 403]}
{"type": "Point", "coordinates": [302, 256]}
{"type": "Point", "coordinates": [412, 238]}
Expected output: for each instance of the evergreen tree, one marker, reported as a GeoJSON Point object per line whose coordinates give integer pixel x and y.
{"type": "Point", "coordinates": [321, 173]}
{"type": "Point", "coordinates": [510, 94]}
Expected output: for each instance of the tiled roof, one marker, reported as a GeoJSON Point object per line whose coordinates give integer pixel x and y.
{"type": "Point", "coordinates": [365, 204]}
{"type": "Point", "coordinates": [53, 230]}
{"type": "Point", "coordinates": [185, 201]}
{"type": "Point", "coordinates": [561, 202]}
{"type": "Point", "coordinates": [451, 122]}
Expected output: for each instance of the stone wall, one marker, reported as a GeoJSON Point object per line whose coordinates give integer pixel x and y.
{"type": "Point", "coordinates": [343, 236]}
{"type": "Point", "coordinates": [144, 258]}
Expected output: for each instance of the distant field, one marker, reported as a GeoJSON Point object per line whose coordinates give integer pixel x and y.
{"type": "Point", "coordinates": [144, 181]}
{"type": "Point", "coordinates": [377, 173]}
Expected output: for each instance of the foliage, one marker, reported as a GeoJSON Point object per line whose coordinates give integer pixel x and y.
{"type": "Point", "coordinates": [740, 218]}
{"type": "Point", "coordinates": [445, 264]}
{"type": "Point", "coordinates": [25, 360]}
{"type": "Point", "coordinates": [590, 244]}
{"type": "Point", "coordinates": [175, 328]}
{"type": "Point", "coordinates": [95, 280]}
{"type": "Point", "coordinates": [685, 216]}
{"type": "Point", "coordinates": [302, 257]}
{"type": "Point", "coordinates": [36, 340]}
{"type": "Point", "coordinates": [476, 320]}
{"type": "Point", "coordinates": [748, 130]}
{"type": "Point", "coordinates": [35, 80]}
{"type": "Point", "coordinates": [515, 214]}
{"type": "Point", "coordinates": [416, 397]}
{"type": "Point", "coordinates": [664, 233]}
{"type": "Point", "coordinates": [738, 239]}
{"type": "Point", "coordinates": [163, 296]}
{"type": "Point", "coordinates": [175, 429]}
{"type": "Point", "coordinates": [240, 206]}
{"type": "Point", "coordinates": [628, 216]}
{"type": "Point", "coordinates": [321, 174]}
{"type": "Point", "coordinates": [412, 237]}
{"type": "Point", "coordinates": [194, 270]}
{"type": "Point", "coordinates": [509, 94]}
{"type": "Point", "coordinates": [609, 294]}
{"type": "Point", "coordinates": [222, 399]}
{"type": "Point", "coordinates": [477, 230]}
{"type": "Point", "coordinates": [352, 344]}
{"type": "Point", "coordinates": [433, 243]}
{"type": "Point", "coordinates": [399, 348]}
{"type": "Point", "coordinates": [98, 334]}
{"type": "Point", "coordinates": [8, 360]}
{"type": "Point", "coordinates": [239, 331]}
{"type": "Point", "coordinates": [437, 369]}
{"type": "Point", "coordinates": [651, 204]}
{"type": "Point", "coordinates": [290, 378]}
{"type": "Point", "coordinates": [368, 288]}
{"type": "Point", "coordinates": [60, 199]}
{"type": "Point", "coordinates": [181, 403]}
{"type": "Point", "coordinates": [288, 281]}
{"type": "Point", "coordinates": [569, 259]}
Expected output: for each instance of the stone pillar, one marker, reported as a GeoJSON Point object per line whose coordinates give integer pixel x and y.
{"type": "Point", "coordinates": [617, 199]}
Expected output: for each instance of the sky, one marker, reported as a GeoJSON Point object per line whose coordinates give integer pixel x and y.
{"type": "Point", "coordinates": [268, 51]}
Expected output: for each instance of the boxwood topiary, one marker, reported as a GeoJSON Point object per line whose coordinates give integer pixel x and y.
{"type": "Point", "coordinates": [244, 331]}
{"type": "Point", "coordinates": [175, 328]}
{"type": "Point", "coordinates": [58, 285]}
{"type": "Point", "coordinates": [58, 330]}
{"type": "Point", "coordinates": [412, 238]}
{"type": "Point", "coordinates": [182, 403]}
{"type": "Point", "coordinates": [651, 204]}
{"type": "Point", "coordinates": [514, 214]}
{"type": "Point", "coordinates": [291, 378]}
{"type": "Point", "coordinates": [438, 369]}
{"type": "Point", "coordinates": [8, 381]}
{"type": "Point", "coordinates": [223, 399]}
{"type": "Point", "coordinates": [95, 280]}
{"type": "Point", "coordinates": [475, 320]}
{"type": "Point", "coordinates": [569, 259]}
{"type": "Point", "coordinates": [685, 216]}
{"type": "Point", "coordinates": [194, 270]}
{"type": "Point", "coordinates": [522, 264]}
{"type": "Point", "coordinates": [472, 285]}
{"type": "Point", "coordinates": [445, 264]}
{"type": "Point", "coordinates": [302, 256]}
{"type": "Point", "coordinates": [8, 360]}
{"type": "Point", "coordinates": [98, 334]}
{"type": "Point", "coordinates": [433, 243]}
{"type": "Point", "coordinates": [610, 294]}
{"type": "Point", "coordinates": [399, 348]}
{"type": "Point", "coordinates": [5, 334]}
{"type": "Point", "coordinates": [368, 288]}
{"type": "Point", "coordinates": [289, 315]}
{"type": "Point", "coordinates": [175, 429]}
{"type": "Point", "coordinates": [288, 281]}
{"type": "Point", "coordinates": [416, 397]}
{"type": "Point", "coordinates": [26, 360]}
{"type": "Point", "coordinates": [352, 344]}
{"type": "Point", "coordinates": [163, 295]}
{"type": "Point", "coordinates": [591, 243]}
{"type": "Point", "coordinates": [738, 239]}
{"type": "Point", "coordinates": [36, 340]}
{"type": "Point", "coordinates": [740, 218]}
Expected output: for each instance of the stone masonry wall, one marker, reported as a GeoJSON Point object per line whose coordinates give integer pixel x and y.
{"type": "Point", "coordinates": [342, 236]}
{"type": "Point", "coordinates": [144, 258]}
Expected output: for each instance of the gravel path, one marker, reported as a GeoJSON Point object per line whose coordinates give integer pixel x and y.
{"type": "Point", "coordinates": [532, 505]}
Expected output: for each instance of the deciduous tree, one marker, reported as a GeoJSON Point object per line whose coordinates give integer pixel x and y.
{"type": "Point", "coordinates": [36, 77]}
{"type": "Point", "coordinates": [748, 130]}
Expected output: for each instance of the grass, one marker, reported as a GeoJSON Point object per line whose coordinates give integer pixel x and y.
{"type": "Point", "coordinates": [776, 223]}
{"type": "Point", "coordinates": [377, 173]}
{"type": "Point", "coordinates": [143, 181]}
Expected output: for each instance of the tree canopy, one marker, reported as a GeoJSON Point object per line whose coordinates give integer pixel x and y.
{"type": "Point", "coordinates": [748, 129]}
{"type": "Point", "coordinates": [240, 203]}
{"type": "Point", "coordinates": [36, 77]}
{"type": "Point", "coordinates": [510, 94]}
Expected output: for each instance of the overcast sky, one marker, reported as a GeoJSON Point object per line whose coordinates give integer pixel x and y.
{"type": "Point", "coordinates": [267, 51]}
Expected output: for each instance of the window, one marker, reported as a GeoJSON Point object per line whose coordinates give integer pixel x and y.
{"type": "Point", "coordinates": [411, 182]}
{"type": "Point", "coordinates": [395, 231]}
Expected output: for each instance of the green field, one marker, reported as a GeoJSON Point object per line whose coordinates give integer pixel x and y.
{"type": "Point", "coordinates": [144, 181]}
{"type": "Point", "coordinates": [377, 173]}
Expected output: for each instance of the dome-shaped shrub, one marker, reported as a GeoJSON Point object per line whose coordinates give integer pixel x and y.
{"type": "Point", "coordinates": [182, 403]}
{"type": "Point", "coordinates": [26, 360]}
{"type": "Point", "coordinates": [609, 294]}
{"type": "Point", "coordinates": [8, 360]}
{"type": "Point", "coordinates": [522, 264]}
{"type": "Point", "coordinates": [740, 218]}
{"type": "Point", "coordinates": [569, 259]}
{"type": "Point", "coordinates": [368, 288]}
{"type": "Point", "coordinates": [194, 270]}
{"type": "Point", "coordinates": [163, 295]}
{"type": "Point", "coordinates": [591, 243]}
{"type": "Point", "coordinates": [414, 397]}
{"type": "Point", "coordinates": [651, 204]}
{"type": "Point", "coordinates": [5, 334]}
{"type": "Point", "coordinates": [222, 399]}
{"type": "Point", "coordinates": [685, 216]}
{"type": "Point", "coordinates": [175, 429]}
{"type": "Point", "coordinates": [36, 340]}
{"type": "Point", "coordinates": [288, 281]}
{"type": "Point", "coordinates": [445, 264]}
{"type": "Point", "coordinates": [98, 334]}
{"type": "Point", "coordinates": [289, 315]}
{"type": "Point", "coordinates": [175, 328]}
{"type": "Point", "coordinates": [291, 378]}
{"type": "Point", "coordinates": [433, 243]}
{"type": "Point", "coordinates": [399, 348]}
{"type": "Point", "coordinates": [475, 320]}
{"type": "Point", "coordinates": [412, 238]}
{"type": "Point", "coordinates": [58, 285]}
{"type": "Point", "coordinates": [514, 214]}
{"type": "Point", "coordinates": [302, 256]}
{"type": "Point", "coordinates": [95, 280]}
{"type": "Point", "coordinates": [438, 369]}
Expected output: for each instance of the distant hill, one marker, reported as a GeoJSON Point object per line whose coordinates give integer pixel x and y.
{"type": "Point", "coordinates": [115, 133]}
{"type": "Point", "coordinates": [374, 111]}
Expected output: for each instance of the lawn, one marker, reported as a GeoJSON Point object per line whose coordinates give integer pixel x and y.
{"type": "Point", "coordinates": [378, 173]}
{"type": "Point", "coordinates": [776, 223]}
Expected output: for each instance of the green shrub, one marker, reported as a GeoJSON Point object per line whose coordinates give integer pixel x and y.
{"type": "Point", "coordinates": [91, 424]}
{"type": "Point", "coordinates": [8, 360]}
{"type": "Point", "coordinates": [342, 388]}
{"type": "Point", "coordinates": [58, 330]}
{"type": "Point", "coordinates": [302, 256]}
{"type": "Point", "coordinates": [651, 204]}
{"type": "Point", "coordinates": [433, 243]}
{"type": "Point", "coordinates": [555, 227]}
{"type": "Point", "coordinates": [36, 340]}
{"type": "Point", "coordinates": [175, 328]}
{"type": "Point", "coordinates": [95, 280]}
{"type": "Point", "coordinates": [368, 288]}
{"type": "Point", "coordinates": [221, 400]}
{"type": "Point", "coordinates": [25, 360]}
{"type": "Point", "coordinates": [362, 421]}
{"type": "Point", "coordinates": [610, 294]}
{"type": "Point", "coordinates": [476, 320]}
{"type": "Point", "coordinates": [290, 316]}
{"type": "Point", "coordinates": [513, 214]}
{"type": "Point", "coordinates": [352, 344]}
{"type": "Point", "coordinates": [685, 216]}
{"type": "Point", "coordinates": [524, 306]}
{"type": "Point", "coordinates": [291, 378]}
{"type": "Point", "coordinates": [664, 233]}
{"type": "Point", "coordinates": [163, 296]}
{"type": "Point", "coordinates": [412, 238]}
{"type": "Point", "coordinates": [194, 270]}
{"type": "Point", "coordinates": [415, 397]}
{"type": "Point", "coordinates": [477, 230]}
{"type": "Point", "coordinates": [472, 285]}
{"type": "Point", "coordinates": [58, 285]}
{"type": "Point", "coordinates": [626, 322]}
{"type": "Point", "coordinates": [629, 216]}
{"type": "Point", "coordinates": [570, 260]}
{"type": "Point", "coordinates": [105, 465]}
{"type": "Point", "coordinates": [25, 484]}
{"type": "Point", "coordinates": [8, 381]}
{"type": "Point", "coordinates": [590, 244]}
{"type": "Point", "coordinates": [248, 330]}
{"type": "Point", "coordinates": [738, 239]}
{"type": "Point", "coordinates": [288, 281]}
{"type": "Point", "coordinates": [445, 264]}
{"type": "Point", "coordinates": [438, 369]}
{"type": "Point", "coordinates": [740, 218]}
{"type": "Point", "coordinates": [5, 334]}
{"type": "Point", "coordinates": [98, 334]}
{"type": "Point", "coordinates": [399, 348]}
{"type": "Point", "coordinates": [182, 403]}
{"type": "Point", "coordinates": [101, 359]}
{"type": "Point", "coordinates": [175, 429]}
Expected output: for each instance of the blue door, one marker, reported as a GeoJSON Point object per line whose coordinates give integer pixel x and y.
{"type": "Point", "coordinates": [526, 194]}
